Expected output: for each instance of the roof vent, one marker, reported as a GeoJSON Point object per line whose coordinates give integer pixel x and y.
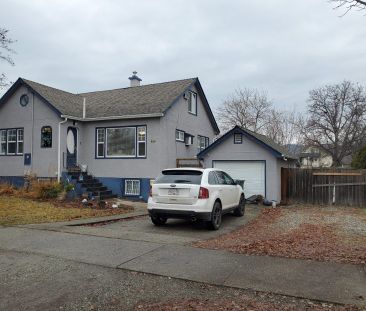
{"type": "Point", "coordinates": [134, 80]}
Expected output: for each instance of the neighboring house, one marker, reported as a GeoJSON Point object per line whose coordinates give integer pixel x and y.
{"type": "Point", "coordinates": [252, 157]}
{"type": "Point", "coordinates": [124, 136]}
{"type": "Point", "coordinates": [313, 157]}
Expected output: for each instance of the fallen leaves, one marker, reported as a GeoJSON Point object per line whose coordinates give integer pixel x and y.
{"type": "Point", "coordinates": [317, 240]}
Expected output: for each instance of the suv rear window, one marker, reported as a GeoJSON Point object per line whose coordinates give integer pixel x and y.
{"type": "Point", "coordinates": [179, 177]}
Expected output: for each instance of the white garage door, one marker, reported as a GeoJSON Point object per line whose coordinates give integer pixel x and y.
{"type": "Point", "coordinates": [253, 172]}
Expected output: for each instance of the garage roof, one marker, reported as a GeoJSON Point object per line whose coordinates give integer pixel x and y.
{"type": "Point", "coordinates": [266, 142]}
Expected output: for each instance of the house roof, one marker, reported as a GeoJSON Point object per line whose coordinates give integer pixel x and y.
{"type": "Point", "coordinates": [277, 150]}
{"type": "Point", "coordinates": [151, 100]}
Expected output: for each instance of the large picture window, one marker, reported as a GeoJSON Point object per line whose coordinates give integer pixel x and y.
{"type": "Point", "coordinates": [46, 137]}
{"type": "Point", "coordinates": [11, 141]}
{"type": "Point", "coordinates": [121, 142]}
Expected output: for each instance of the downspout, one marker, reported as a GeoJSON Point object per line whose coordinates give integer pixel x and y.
{"type": "Point", "coordinates": [59, 150]}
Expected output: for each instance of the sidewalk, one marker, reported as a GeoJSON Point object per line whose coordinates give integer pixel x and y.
{"type": "Point", "coordinates": [341, 283]}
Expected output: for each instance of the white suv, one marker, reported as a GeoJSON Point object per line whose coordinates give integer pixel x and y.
{"type": "Point", "coordinates": [193, 193]}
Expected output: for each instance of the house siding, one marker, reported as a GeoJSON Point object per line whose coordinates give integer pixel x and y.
{"type": "Point", "coordinates": [162, 150]}
{"type": "Point", "coordinates": [178, 117]}
{"type": "Point", "coordinates": [13, 115]}
{"type": "Point", "coordinates": [250, 151]}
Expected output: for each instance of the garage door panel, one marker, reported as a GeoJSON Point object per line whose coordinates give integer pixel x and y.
{"type": "Point", "coordinates": [253, 172]}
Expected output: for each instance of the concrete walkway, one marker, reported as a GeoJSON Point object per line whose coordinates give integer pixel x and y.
{"type": "Point", "coordinates": [333, 282]}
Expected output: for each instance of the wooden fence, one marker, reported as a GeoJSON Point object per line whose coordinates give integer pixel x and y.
{"type": "Point", "coordinates": [324, 186]}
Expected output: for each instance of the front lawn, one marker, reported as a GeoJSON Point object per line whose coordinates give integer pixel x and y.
{"type": "Point", "coordinates": [317, 233]}
{"type": "Point", "coordinates": [19, 211]}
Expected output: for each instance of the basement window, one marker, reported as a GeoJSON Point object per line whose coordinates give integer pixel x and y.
{"type": "Point", "coordinates": [132, 187]}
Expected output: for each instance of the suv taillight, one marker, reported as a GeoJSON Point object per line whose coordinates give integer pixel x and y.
{"type": "Point", "coordinates": [203, 194]}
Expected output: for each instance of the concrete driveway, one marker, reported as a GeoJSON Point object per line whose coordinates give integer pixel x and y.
{"type": "Point", "coordinates": [140, 228]}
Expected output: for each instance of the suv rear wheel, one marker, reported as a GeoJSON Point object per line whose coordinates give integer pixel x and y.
{"type": "Point", "coordinates": [216, 217]}
{"type": "Point", "coordinates": [158, 220]}
{"type": "Point", "coordinates": [240, 210]}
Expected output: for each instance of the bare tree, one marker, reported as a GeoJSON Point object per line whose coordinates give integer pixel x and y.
{"type": "Point", "coordinates": [283, 127]}
{"type": "Point", "coordinates": [248, 108]}
{"type": "Point", "coordinates": [350, 4]}
{"type": "Point", "coordinates": [336, 120]}
{"type": "Point", "coordinates": [5, 53]}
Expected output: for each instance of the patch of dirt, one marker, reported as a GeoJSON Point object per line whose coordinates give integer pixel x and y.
{"type": "Point", "coordinates": [333, 234]}
{"type": "Point", "coordinates": [242, 303]}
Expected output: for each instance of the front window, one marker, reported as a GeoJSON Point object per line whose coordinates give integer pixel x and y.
{"type": "Point", "coordinates": [20, 141]}
{"type": "Point", "coordinates": [46, 137]}
{"type": "Point", "coordinates": [3, 142]}
{"type": "Point", "coordinates": [121, 142]}
{"type": "Point", "coordinates": [141, 141]}
{"type": "Point", "coordinates": [12, 141]}
{"type": "Point", "coordinates": [132, 187]}
{"type": "Point", "coordinates": [192, 103]}
{"type": "Point", "coordinates": [100, 142]}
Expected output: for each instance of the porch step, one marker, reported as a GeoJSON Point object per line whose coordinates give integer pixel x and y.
{"type": "Point", "coordinates": [101, 193]}
{"type": "Point", "coordinates": [91, 184]}
{"type": "Point", "coordinates": [108, 196]}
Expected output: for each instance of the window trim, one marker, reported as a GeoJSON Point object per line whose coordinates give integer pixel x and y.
{"type": "Point", "coordinates": [189, 103]}
{"type": "Point", "coordinates": [16, 141]}
{"type": "Point", "coordinates": [180, 131]}
{"type": "Point", "coordinates": [237, 142]}
{"type": "Point", "coordinates": [125, 187]}
{"type": "Point", "coordinates": [105, 156]}
{"type": "Point", "coordinates": [51, 136]}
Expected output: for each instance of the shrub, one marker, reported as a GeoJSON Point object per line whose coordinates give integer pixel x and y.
{"type": "Point", "coordinates": [46, 190]}
{"type": "Point", "coordinates": [359, 159]}
{"type": "Point", "coordinates": [7, 189]}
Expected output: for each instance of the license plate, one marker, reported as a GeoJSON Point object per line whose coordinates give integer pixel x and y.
{"type": "Point", "coordinates": [173, 192]}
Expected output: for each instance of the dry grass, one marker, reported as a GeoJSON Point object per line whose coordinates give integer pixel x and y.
{"type": "Point", "coordinates": [18, 211]}
{"type": "Point", "coordinates": [317, 233]}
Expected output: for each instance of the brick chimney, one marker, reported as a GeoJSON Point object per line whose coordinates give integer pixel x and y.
{"type": "Point", "coordinates": [134, 80]}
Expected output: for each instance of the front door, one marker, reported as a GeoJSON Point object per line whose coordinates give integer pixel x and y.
{"type": "Point", "coordinates": [71, 146]}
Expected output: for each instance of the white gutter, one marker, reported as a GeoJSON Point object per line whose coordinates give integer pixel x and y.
{"type": "Point", "coordinates": [59, 149]}
{"type": "Point", "coordinates": [135, 116]}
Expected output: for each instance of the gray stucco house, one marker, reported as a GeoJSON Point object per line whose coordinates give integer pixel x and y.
{"type": "Point", "coordinates": [124, 137]}
{"type": "Point", "coordinates": [252, 157]}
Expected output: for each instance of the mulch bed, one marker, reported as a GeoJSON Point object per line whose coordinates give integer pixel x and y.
{"type": "Point", "coordinates": [324, 235]}
{"type": "Point", "coordinates": [247, 304]}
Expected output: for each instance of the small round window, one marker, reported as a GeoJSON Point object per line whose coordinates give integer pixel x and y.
{"type": "Point", "coordinates": [24, 100]}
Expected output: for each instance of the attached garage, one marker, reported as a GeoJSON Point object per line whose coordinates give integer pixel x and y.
{"type": "Point", "coordinates": [252, 157]}
{"type": "Point", "coordinates": [252, 172]}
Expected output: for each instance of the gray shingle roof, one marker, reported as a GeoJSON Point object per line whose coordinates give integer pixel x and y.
{"type": "Point", "coordinates": [271, 143]}
{"type": "Point", "coordinates": [268, 143]}
{"type": "Point", "coordinates": [139, 100]}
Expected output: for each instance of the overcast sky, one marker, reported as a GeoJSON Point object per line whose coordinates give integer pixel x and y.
{"type": "Point", "coordinates": [286, 47]}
